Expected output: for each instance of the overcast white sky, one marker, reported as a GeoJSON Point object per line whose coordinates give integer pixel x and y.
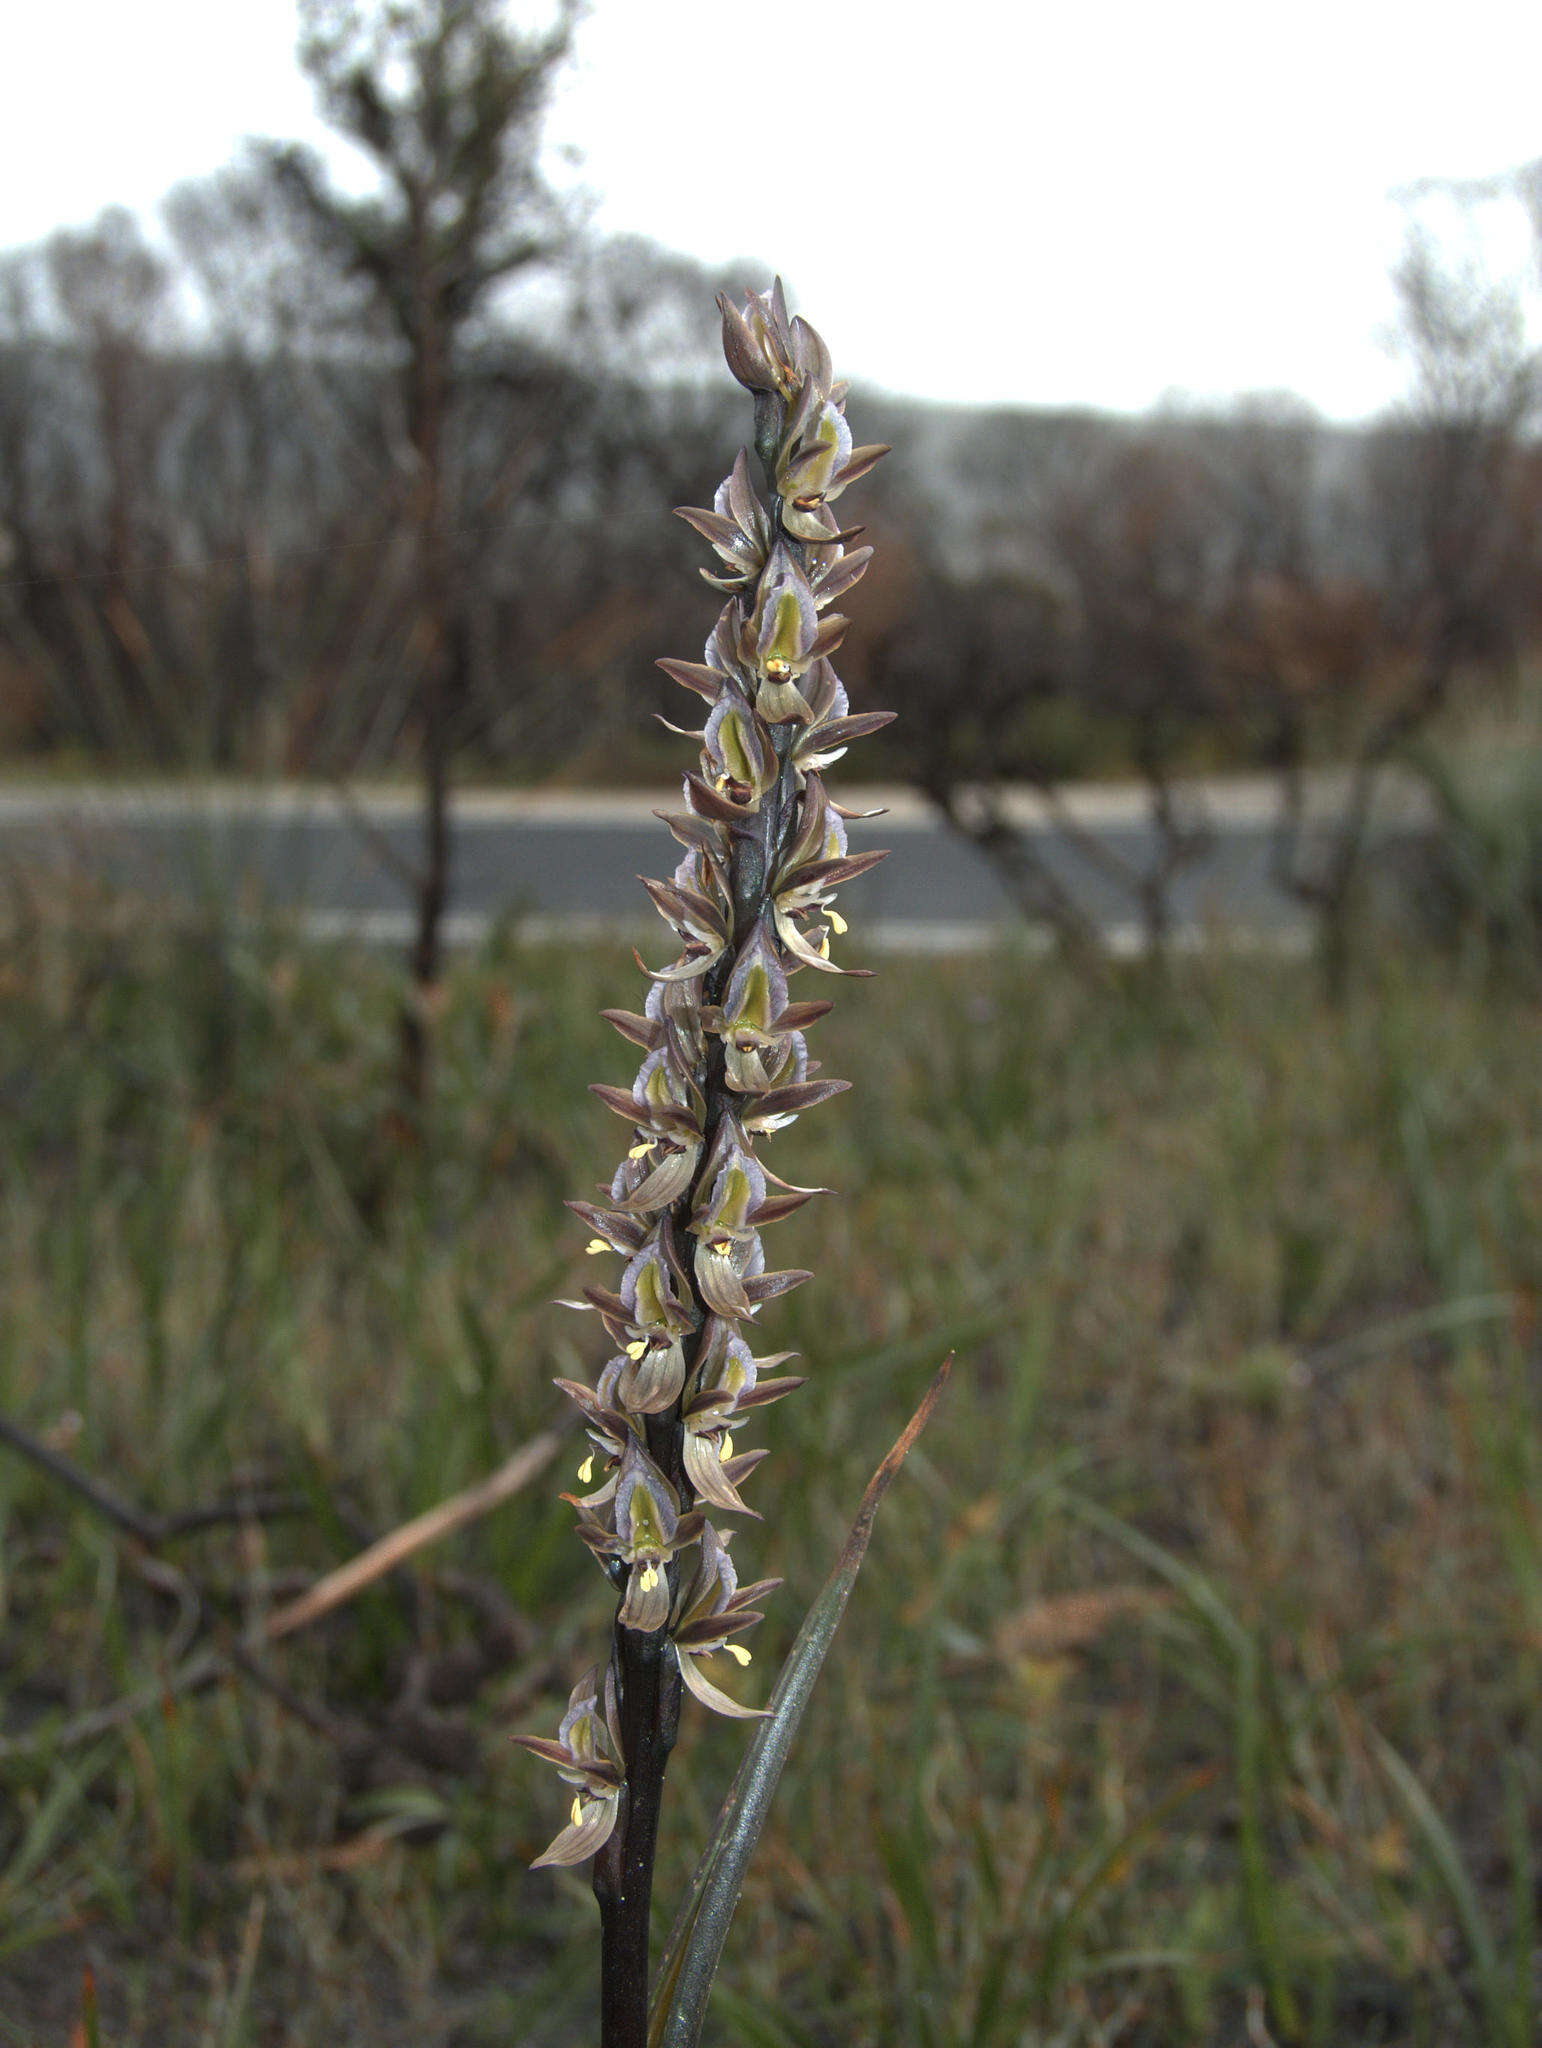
{"type": "Point", "coordinates": [1043, 203]}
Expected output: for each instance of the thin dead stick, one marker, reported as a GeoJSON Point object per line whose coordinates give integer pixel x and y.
{"type": "Point", "coordinates": [329, 1592]}
{"type": "Point", "coordinates": [152, 1531]}
{"type": "Point", "coordinates": [430, 1527]}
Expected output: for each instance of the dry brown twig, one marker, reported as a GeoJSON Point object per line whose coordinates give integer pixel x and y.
{"type": "Point", "coordinates": [333, 1590]}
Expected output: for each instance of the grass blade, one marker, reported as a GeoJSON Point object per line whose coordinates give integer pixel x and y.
{"type": "Point", "coordinates": [1454, 1875]}
{"type": "Point", "coordinates": [696, 1944]}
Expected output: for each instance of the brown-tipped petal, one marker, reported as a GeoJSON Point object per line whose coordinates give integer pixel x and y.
{"type": "Point", "coordinates": [841, 576]}
{"type": "Point", "coordinates": [741, 351]}
{"type": "Point", "coordinates": [706, 1631]}
{"type": "Point", "coordinates": [694, 675]}
{"type": "Point", "coordinates": [839, 731]}
{"type": "Point", "coordinates": [614, 1312]}
{"type": "Point", "coordinates": [742, 501]}
{"type": "Point", "coordinates": [798, 1096]}
{"type": "Point", "coordinates": [765, 1391]}
{"type": "Point", "coordinates": [832, 631]}
{"type": "Point", "coordinates": [686, 907]}
{"type": "Point", "coordinates": [710, 1696]}
{"type": "Point", "coordinates": [798, 1017]}
{"type": "Point", "coordinates": [828, 874]}
{"type": "Point", "coordinates": [712, 526]}
{"type": "Point", "coordinates": [750, 1596]}
{"type": "Point", "coordinates": [550, 1752]}
{"type": "Point", "coordinates": [606, 1419]}
{"type": "Point", "coordinates": [708, 802]}
{"type": "Point", "coordinates": [766, 1286]}
{"type": "Point", "coordinates": [623, 1234]}
{"type": "Point", "coordinates": [857, 464]}
{"type": "Point", "coordinates": [640, 1030]}
{"type": "Point", "coordinates": [776, 1207]}
{"type": "Point", "coordinates": [698, 833]}
{"type": "Point", "coordinates": [621, 1100]}
{"type": "Point", "coordinates": [810, 353]}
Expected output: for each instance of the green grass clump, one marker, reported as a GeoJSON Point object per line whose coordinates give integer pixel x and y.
{"type": "Point", "coordinates": [1191, 1694]}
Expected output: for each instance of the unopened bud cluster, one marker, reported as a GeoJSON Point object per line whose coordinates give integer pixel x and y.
{"type": "Point", "coordinates": [725, 1059]}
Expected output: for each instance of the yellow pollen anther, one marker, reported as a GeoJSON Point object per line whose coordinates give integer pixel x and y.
{"type": "Point", "coordinates": [635, 1351]}
{"type": "Point", "coordinates": [578, 1810]}
{"type": "Point", "coordinates": [641, 1151]}
{"type": "Point", "coordinates": [737, 1651]}
{"type": "Point", "coordinates": [596, 1244]}
{"type": "Point", "coordinates": [725, 1449]}
{"type": "Point", "coordinates": [650, 1577]}
{"type": "Point", "coordinates": [824, 945]}
{"type": "Point", "coordinates": [838, 922]}
{"type": "Point", "coordinates": [586, 1469]}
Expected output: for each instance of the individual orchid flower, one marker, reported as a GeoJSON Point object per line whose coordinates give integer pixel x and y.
{"type": "Point", "coordinates": [762, 1032]}
{"type": "Point", "coordinates": [607, 1428]}
{"type": "Point", "coordinates": [648, 1528]}
{"type": "Point", "coordinates": [733, 1205]}
{"type": "Point", "coordinates": [654, 1321]}
{"type": "Point", "coordinates": [738, 527]}
{"type": "Point", "coordinates": [739, 751]}
{"type": "Point", "coordinates": [711, 1610]}
{"type": "Point", "coordinates": [732, 1384]}
{"type": "Point", "coordinates": [587, 1754]}
{"type": "Point", "coordinates": [758, 343]}
{"type": "Point", "coordinates": [831, 727]}
{"type": "Point", "coordinates": [817, 463]}
{"type": "Point", "coordinates": [783, 637]}
{"type": "Point", "coordinates": [665, 1108]}
{"type": "Point", "coordinates": [709, 1415]}
{"type": "Point", "coordinates": [807, 879]}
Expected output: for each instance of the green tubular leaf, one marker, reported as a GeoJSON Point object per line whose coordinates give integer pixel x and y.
{"type": "Point", "coordinates": [695, 1944]}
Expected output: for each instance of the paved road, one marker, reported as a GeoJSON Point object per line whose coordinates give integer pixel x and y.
{"type": "Point", "coordinates": [570, 860]}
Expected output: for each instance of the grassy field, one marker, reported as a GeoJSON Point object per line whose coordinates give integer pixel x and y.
{"type": "Point", "coordinates": [1191, 1694]}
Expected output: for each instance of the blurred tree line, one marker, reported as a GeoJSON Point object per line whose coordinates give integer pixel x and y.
{"type": "Point", "coordinates": [325, 484]}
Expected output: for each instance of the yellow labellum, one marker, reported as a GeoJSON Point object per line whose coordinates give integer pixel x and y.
{"type": "Point", "coordinates": [737, 1651]}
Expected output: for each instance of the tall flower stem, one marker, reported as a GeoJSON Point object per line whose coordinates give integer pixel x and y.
{"type": "Point", "coordinates": [751, 904]}
{"type": "Point", "coordinates": [648, 1678]}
